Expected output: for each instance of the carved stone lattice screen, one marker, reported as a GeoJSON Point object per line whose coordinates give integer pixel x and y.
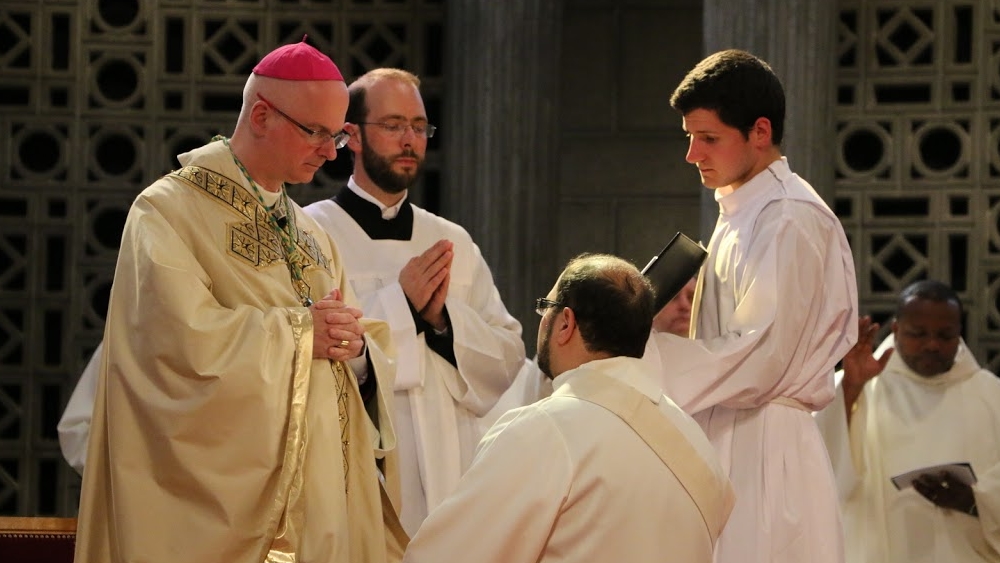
{"type": "Point", "coordinates": [96, 99]}
{"type": "Point", "coordinates": [918, 153]}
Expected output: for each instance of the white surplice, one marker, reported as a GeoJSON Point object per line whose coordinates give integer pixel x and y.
{"type": "Point", "coordinates": [437, 405]}
{"type": "Point", "coordinates": [74, 425]}
{"type": "Point", "coordinates": [530, 386]}
{"type": "Point", "coordinates": [566, 480]}
{"type": "Point", "coordinates": [904, 422]}
{"type": "Point", "coordinates": [777, 311]}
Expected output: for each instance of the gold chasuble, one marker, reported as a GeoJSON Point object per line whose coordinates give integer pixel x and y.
{"type": "Point", "coordinates": [216, 437]}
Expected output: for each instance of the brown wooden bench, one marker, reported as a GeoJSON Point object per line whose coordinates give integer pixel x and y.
{"type": "Point", "coordinates": [37, 540]}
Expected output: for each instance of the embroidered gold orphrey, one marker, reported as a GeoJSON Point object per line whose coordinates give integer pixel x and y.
{"type": "Point", "coordinates": [255, 240]}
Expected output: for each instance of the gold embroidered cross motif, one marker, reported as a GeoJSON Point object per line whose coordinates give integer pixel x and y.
{"type": "Point", "coordinates": [340, 381]}
{"type": "Point", "coordinates": [254, 240]}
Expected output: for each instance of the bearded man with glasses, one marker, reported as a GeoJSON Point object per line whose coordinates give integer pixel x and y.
{"type": "Point", "coordinates": [607, 468]}
{"type": "Point", "coordinates": [458, 349]}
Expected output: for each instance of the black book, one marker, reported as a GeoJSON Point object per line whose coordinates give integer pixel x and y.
{"type": "Point", "coordinates": [678, 262]}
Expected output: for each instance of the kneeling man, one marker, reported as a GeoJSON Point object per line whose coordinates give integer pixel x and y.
{"type": "Point", "coordinates": [607, 468]}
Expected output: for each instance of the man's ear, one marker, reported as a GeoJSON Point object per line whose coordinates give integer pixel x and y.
{"type": "Point", "coordinates": [565, 326]}
{"type": "Point", "coordinates": [258, 117]}
{"type": "Point", "coordinates": [761, 133]}
{"type": "Point", "coordinates": [354, 142]}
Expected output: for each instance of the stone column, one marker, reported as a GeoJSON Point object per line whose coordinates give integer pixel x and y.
{"type": "Point", "coordinates": [798, 39]}
{"type": "Point", "coordinates": [500, 134]}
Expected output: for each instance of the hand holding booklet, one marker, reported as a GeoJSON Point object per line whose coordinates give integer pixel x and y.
{"type": "Point", "coordinates": [961, 472]}
{"type": "Point", "coordinates": [678, 262]}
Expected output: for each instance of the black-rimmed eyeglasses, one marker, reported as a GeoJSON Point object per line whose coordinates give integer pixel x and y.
{"type": "Point", "coordinates": [313, 137]}
{"type": "Point", "coordinates": [542, 304]}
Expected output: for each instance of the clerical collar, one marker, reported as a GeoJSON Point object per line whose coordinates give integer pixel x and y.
{"type": "Point", "coordinates": [272, 201]}
{"type": "Point", "coordinates": [368, 214]}
{"type": "Point", "coordinates": [387, 211]}
{"type": "Point", "coordinates": [752, 192]}
{"type": "Point", "coordinates": [270, 198]}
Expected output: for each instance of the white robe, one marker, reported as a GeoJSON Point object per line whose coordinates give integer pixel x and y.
{"type": "Point", "coordinates": [565, 480]}
{"type": "Point", "coordinates": [777, 311]}
{"type": "Point", "coordinates": [530, 386]}
{"type": "Point", "coordinates": [437, 405]}
{"type": "Point", "coordinates": [903, 422]}
{"type": "Point", "coordinates": [74, 425]}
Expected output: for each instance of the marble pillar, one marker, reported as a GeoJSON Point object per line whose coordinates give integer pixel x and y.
{"type": "Point", "coordinates": [798, 39]}
{"type": "Point", "coordinates": [501, 135]}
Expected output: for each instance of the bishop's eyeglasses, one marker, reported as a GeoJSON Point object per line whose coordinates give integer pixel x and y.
{"type": "Point", "coordinates": [313, 137]}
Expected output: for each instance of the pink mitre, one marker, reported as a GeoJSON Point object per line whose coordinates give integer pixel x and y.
{"type": "Point", "coordinates": [298, 61]}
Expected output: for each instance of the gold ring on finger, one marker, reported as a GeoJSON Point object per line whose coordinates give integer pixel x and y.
{"type": "Point", "coordinates": [344, 343]}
